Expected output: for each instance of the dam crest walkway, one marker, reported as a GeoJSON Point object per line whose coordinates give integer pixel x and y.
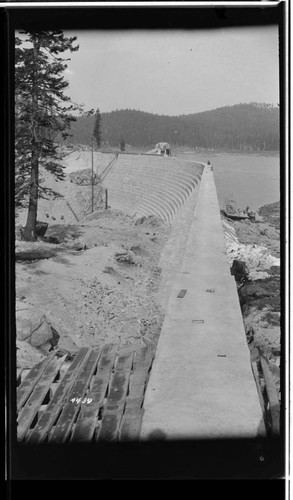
{"type": "Point", "coordinates": [201, 385]}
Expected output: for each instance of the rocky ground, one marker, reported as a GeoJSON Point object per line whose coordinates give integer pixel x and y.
{"type": "Point", "coordinates": [258, 245]}
{"type": "Point", "coordinates": [98, 284]}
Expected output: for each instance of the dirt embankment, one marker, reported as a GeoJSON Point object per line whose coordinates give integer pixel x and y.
{"type": "Point", "coordinates": [259, 291]}
{"type": "Point", "coordinates": [99, 284]}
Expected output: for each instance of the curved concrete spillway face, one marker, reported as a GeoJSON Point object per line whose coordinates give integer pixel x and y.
{"type": "Point", "coordinates": [144, 185]}
{"type": "Point", "coordinates": [148, 185]}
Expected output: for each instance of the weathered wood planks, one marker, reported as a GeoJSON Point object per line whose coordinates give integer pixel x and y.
{"type": "Point", "coordinates": [87, 420]}
{"type": "Point", "coordinates": [45, 423]}
{"type": "Point", "coordinates": [99, 397]}
{"type": "Point", "coordinates": [31, 380]}
{"type": "Point", "coordinates": [132, 417]}
{"type": "Point", "coordinates": [116, 398]}
{"type": "Point", "coordinates": [131, 424]}
{"type": "Point", "coordinates": [76, 395]}
{"type": "Point", "coordinates": [30, 410]}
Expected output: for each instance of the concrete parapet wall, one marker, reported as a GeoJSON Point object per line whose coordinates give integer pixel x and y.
{"type": "Point", "coordinates": [201, 384]}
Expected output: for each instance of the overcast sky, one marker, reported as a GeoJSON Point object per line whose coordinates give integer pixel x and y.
{"type": "Point", "coordinates": [174, 72]}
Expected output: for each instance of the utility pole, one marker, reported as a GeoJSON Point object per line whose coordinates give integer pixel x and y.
{"type": "Point", "coordinates": [92, 142]}
{"type": "Point", "coordinates": [106, 201]}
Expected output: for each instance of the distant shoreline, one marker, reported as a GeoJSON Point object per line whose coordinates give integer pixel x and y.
{"type": "Point", "coordinates": [178, 150]}
{"type": "Point", "coordinates": [230, 152]}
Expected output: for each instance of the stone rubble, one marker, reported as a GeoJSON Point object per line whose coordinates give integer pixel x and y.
{"type": "Point", "coordinates": [259, 291]}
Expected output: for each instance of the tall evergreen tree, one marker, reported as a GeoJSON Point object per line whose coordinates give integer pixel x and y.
{"type": "Point", "coordinates": [42, 111]}
{"type": "Point", "coordinates": [97, 133]}
{"type": "Point", "coordinates": [122, 144]}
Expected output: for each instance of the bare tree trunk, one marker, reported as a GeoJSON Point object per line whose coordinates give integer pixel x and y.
{"type": "Point", "coordinates": [29, 232]}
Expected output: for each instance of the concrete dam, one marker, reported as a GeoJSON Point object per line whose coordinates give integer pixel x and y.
{"type": "Point", "coordinates": [201, 384]}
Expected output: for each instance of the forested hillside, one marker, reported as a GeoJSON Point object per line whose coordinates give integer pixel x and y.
{"type": "Point", "coordinates": [243, 127]}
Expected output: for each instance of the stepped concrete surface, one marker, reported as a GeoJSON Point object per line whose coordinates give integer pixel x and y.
{"type": "Point", "coordinates": [201, 384]}
{"type": "Point", "coordinates": [146, 185]}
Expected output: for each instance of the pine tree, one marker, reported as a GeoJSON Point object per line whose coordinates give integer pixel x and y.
{"type": "Point", "coordinates": [42, 111]}
{"type": "Point", "coordinates": [97, 129]}
{"type": "Point", "coordinates": [122, 144]}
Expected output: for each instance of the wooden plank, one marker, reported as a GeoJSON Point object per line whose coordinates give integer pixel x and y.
{"type": "Point", "coordinates": [110, 426]}
{"type": "Point", "coordinates": [119, 381]}
{"type": "Point", "coordinates": [31, 380]}
{"type": "Point", "coordinates": [30, 409]}
{"type": "Point", "coordinates": [116, 399]}
{"type": "Point", "coordinates": [107, 358]}
{"type": "Point", "coordinates": [137, 389]}
{"type": "Point", "coordinates": [143, 357]}
{"type": "Point", "coordinates": [45, 423]}
{"type": "Point", "coordinates": [131, 424]}
{"type": "Point", "coordinates": [84, 428]}
{"type": "Point", "coordinates": [274, 404]}
{"type": "Point", "coordinates": [62, 429]}
{"type": "Point", "coordinates": [124, 362]}
{"type": "Point", "coordinates": [142, 363]}
{"type": "Point", "coordinates": [132, 417]}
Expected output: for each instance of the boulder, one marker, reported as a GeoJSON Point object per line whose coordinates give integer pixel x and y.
{"type": "Point", "coordinates": [139, 221]}
{"type": "Point", "coordinates": [27, 356]}
{"type": "Point", "coordinates": [77, 244]}
{"type": "Point", "coordinates": [42, 334]}
{"type": "Point", "coordinates": [239, 269]}
{"type": "Point", "coordinates": [127, 257]}
{"type": "Point", "coordinates": [258, 218]}
{"type": "Point", "coordinates": [32, 325]}
{"type": "Point", "coordinates": [255, 291]}
{"type": "Point", "coordinates": [151, 220]}
{"type": "Point", "coordinates": [267, 337]}
{"type": "Point", "coordinates": [41, 228]}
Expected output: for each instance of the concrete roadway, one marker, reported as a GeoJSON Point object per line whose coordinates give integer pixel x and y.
{"type": "Point", "coordinates": [201, 384]}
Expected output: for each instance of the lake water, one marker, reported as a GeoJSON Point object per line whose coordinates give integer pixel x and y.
{"type": "Point", "coordinates": [251, 180]}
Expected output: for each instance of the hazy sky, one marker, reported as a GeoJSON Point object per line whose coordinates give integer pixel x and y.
{"type": "Point", "coordinates": [174, 72]}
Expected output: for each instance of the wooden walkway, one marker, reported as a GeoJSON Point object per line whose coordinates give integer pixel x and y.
{"type": "Point", "coordinates": [99, 396]}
